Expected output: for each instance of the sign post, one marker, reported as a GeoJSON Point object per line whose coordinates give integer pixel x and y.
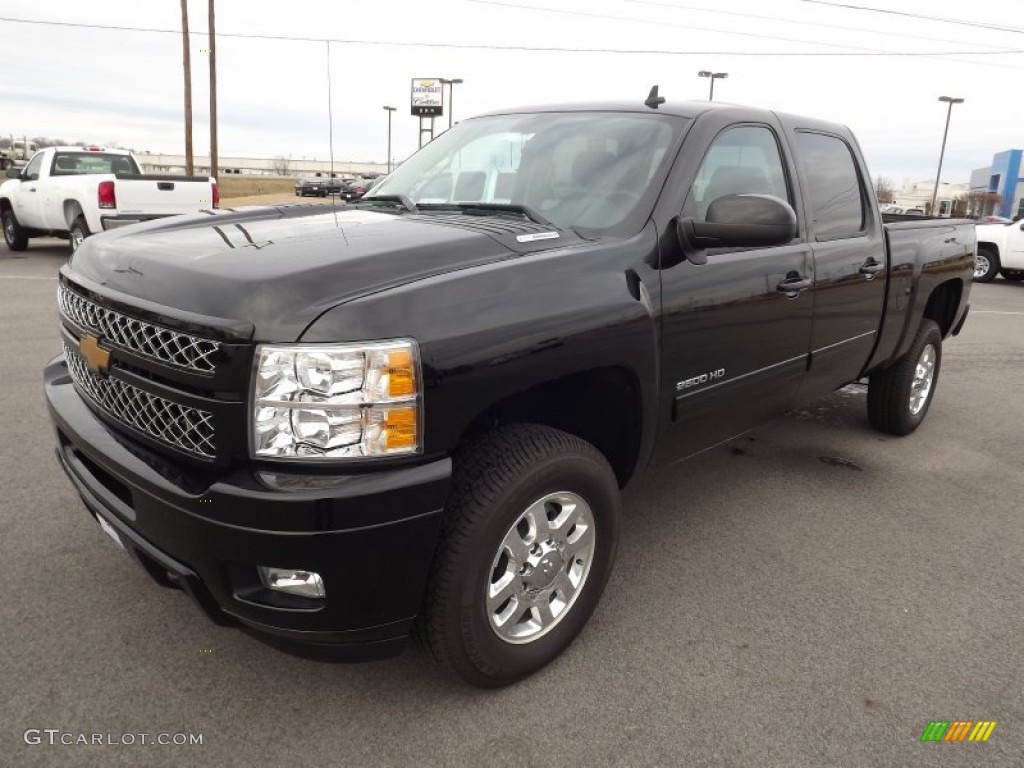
{"type": "Point", "coordinates": [427, 103]}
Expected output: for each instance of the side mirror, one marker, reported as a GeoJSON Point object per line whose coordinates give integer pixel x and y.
{"type": "Point", "coordinates": [740, 221]}
{"type": "Point", "coordinates": [13, 173]}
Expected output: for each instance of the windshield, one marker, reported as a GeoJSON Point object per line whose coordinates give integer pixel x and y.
{"type": "Point", "coordinates": [82, 163]}
{"type": "Point", "coordinates": [579, 170]}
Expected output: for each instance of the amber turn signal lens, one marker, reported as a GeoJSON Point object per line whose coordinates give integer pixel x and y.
{"type": "Point", "coordinates": [400, 428]}
{"type": "Point", "coordinates": [401, 373]}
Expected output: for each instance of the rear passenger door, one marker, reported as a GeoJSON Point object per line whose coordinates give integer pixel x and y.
{"type": "Point", "coordinates": [735, 328]}
{"type": "Point", "coordinates": [849, 260]}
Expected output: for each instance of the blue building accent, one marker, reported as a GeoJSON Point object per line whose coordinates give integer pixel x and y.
{"type": "Point", "coordinates": [1004, 177]}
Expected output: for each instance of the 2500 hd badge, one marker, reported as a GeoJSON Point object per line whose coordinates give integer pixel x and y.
{"type": "Point", "coordinates": [704, 378]}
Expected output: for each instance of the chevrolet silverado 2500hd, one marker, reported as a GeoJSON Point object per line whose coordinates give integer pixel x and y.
{"type": "Point", "coordinates": [415, 412]}
{"type": "Point", "coordinates": [73, 192]}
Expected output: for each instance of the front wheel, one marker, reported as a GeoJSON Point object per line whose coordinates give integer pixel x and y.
{"type": "Point", "coordinates": [986, 265]}
{"type": "Point", "coordinates": [529, 541]}
{"type": "Point", "coordinates": [79, 231]}
{"type": "Point", "coordinates": [899, 396]}
{"type": "Point", "coordinates": [14, 234]}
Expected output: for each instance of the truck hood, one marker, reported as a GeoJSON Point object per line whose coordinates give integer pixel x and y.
{"type": "Point", "coordinates": [278, 269]}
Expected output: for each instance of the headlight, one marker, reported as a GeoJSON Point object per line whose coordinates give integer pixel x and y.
{"type": "Point", "coordinates": [337, 401]}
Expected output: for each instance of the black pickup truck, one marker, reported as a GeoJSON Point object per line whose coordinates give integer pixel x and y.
{"type": "Point", "coordinates": [415, 413]}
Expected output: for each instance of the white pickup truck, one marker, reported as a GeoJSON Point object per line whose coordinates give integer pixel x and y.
{"type": "Point", "coordinates": [1000, 250]}
{"type": "Point", "coordinates": [74, 192]}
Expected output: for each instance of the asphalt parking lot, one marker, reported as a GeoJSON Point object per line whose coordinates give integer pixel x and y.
{"type": "Point", "coordinates": [812, 594]}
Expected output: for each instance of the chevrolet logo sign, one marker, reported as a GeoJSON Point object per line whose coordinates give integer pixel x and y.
{"type": "Point", "coordinates": [95, 357]}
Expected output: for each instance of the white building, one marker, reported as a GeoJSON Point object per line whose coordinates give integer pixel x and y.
{"type": "Point", "coordinates": [260, 166]}
{"type": "Point", "coordinates": [919, 195]}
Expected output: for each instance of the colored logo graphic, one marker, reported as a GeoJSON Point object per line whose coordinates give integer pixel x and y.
{"type": "Point", "coordinates": [958, 730]}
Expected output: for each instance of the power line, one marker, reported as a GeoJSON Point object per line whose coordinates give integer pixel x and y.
{"type": "Point", "coordinates": [798, 22]}
{"type": "Point", "coordinates": [691, 27]}
{"type": "Point", "coordinates": [940, 19]}
{"type": "Point", "coordinates": [610, 17]}
{"type": "Point", "coordinates": [534, 48]}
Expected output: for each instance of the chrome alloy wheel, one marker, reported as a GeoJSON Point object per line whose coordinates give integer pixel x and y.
{"type": "Point", "coordinates": [9, 229]}
{"type": "Point", "coordinates": [540, 567]}
{"type": "Point", "coordinates": [77, 238]}
{"type": "Point", "coordinates": [981, 264]}
{"type": "Point", "coordinates": [924, 375]}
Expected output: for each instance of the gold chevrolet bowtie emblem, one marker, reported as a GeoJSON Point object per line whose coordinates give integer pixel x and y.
{"type": "Point", "coordinates": [96, 358]}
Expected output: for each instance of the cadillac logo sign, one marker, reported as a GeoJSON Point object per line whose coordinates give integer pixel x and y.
{"type": "Point", "coordinates": [97, 358]}
{"type": "Point", "coordinates": [427, 97]}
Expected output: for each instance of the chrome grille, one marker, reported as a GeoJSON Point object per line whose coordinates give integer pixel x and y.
{"type": "Point", "coordinates": [181, 350]}
{"type": "Point", "coordinates": [179, 426]}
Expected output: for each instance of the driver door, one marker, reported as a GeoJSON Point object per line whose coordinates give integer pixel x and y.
{"type": "Point", "coordinates": [27, 199]}
{"type": "Point", "coordinates": [736, 329]}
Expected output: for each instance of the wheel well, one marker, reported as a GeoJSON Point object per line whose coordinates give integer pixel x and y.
{"type": "Point", "coordinates": [72, 210]}
{"type": "Point", "coordinates": [601, 406]}
{"type": "Point", "coordinates": [943, 303]}
{"type": "Point", "coordinates": [989, 247]}
{"type": "Point", "coordinates": [4, 204]}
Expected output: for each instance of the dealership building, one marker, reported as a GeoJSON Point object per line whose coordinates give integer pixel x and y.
{"type": "Point", "coordinates": [1004, 178]}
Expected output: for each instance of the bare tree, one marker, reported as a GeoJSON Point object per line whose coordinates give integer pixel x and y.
{"type": "Point", "coordinates": [884, 190]}
{"type": "Point", "coordinates": [980, 203]}
{"type": "Point", "coordinates": [282, 166]}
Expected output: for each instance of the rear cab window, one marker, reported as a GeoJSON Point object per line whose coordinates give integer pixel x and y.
{"type": "Point", "coordinates": [86, 163]}
{"type": "Point", "coordinates": [835, 191]}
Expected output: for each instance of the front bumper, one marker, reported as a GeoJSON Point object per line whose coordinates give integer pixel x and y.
{"type": "Point", "coordinates": [371, 536]}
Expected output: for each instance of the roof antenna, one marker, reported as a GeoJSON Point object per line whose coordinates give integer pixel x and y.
{"type": "Point", "coordinates": [653, 99]}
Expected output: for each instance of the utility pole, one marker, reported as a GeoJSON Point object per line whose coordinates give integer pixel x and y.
{"type": "Point", "coordinates": [390, 110]}
{"type": "Point", "coordinates": [186, 60]}
{"type": "Point", "coordinates": [213, 94]}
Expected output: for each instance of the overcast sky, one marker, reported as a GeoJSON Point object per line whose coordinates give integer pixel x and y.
{"type": "Point", "coordinates": [125, 87]}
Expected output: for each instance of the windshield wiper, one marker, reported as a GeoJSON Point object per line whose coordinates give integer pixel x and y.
{"type": "Point", "coordinates": [402, 200]}
{"type": "Point", "coordinates": [485, 208]}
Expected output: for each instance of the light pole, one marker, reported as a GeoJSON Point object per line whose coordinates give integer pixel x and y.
{"type": "Point", "coordinates": [389, 110]}
{"type": "Point", "coordinates": [951, 101]}
{"type": "Point", "coordinates": [451, 96]}
{"type": "Point", "coordinates": [714, 76]}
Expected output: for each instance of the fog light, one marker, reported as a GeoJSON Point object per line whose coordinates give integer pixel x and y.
{"type": "Point", "coordinates": [292, 581]}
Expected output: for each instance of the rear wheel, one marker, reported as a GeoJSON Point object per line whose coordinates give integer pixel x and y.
{"type": "Point", "coordinates": [899, 396]}
{"type": "Point", "coordinates": [79, 231]}
{"type": "Point", "coordinates": [986, 265]}
{"type": "Point", "coordinates": [14, 234]}
{"type": "Point", "coordinates": [529, 541]}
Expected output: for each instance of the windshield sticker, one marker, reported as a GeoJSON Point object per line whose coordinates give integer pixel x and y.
{"type": "Point", "coordinates": [537, 236]}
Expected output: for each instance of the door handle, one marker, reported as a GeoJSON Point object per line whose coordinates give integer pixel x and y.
{"type": "Point", "coordinates": [31, 189]}
{"type": "Point", "coordinates": [793, 284]}
{"type": "Point", "coordinates": [871, 268]}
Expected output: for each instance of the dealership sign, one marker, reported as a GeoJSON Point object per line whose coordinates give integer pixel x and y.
{"type": "Point", "coordinates": [427, 97]}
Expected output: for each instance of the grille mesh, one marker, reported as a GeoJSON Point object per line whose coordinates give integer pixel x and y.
{"type": "Point", "coordinates": [179, 426]}
{"type": "Point", "coordinates": [181, 350]}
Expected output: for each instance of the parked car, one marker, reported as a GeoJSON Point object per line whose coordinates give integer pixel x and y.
{"type": "Point", "coordinates": [1000, 251]}
{"type": "Point", "coordinates": [74, 192]}
{"type": "Point", "coordinates": [408, 414]}
{"type": "Point", "coordinates": [353, 189]}
{"type": "Point", "coordinates": [315, 187]}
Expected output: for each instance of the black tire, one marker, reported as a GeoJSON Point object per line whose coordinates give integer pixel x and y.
{"type": "Point", "coordinates": [14, 234]}
{"type": "Point", "coordinates": [496, 479]}
{"type": "Point", "coordinates": [78, 232]}
{"type": "Point", "coordinates": [1013, 275]}
{"type": "Point", "coordinates": [890, 408]}
{"type": "Point", "coordinates": [986, 265]}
